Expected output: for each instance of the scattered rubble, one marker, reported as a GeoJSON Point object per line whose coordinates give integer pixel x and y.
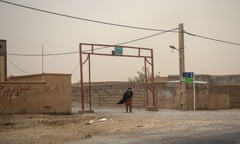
{"type": "Point", "coordinates": [102, 119]}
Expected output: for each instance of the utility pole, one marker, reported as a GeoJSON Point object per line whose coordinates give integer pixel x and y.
{"type": "Point", "coordinates": [42, 61]}
{"type": "Point", "coordinates": [182, 85]}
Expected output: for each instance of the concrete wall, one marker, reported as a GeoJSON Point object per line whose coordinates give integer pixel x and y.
{"type": "Point", "coordinates": [109, 93]}
{"type": "Point", "coordinates": [166, 94]}
{"type": "Point", "coordinates": [234, 94]}
{"type": "Point", "coordinates": [207, 96]}
{"type": "Point", "coordinates": [47, 93]}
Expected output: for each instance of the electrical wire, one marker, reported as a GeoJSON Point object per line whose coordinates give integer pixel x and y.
{"type": "Point", "coordinates": [112, 24]}
{"type": "Point", "coordinates": [84, 19]}
{"type": "Point", "coordinates": [105, 23]}
{"type": "Point", "coordinates": [78, 64]}
{"type": "Point", "coordinates": [75, 68]}
{"type": "Point", "coordinates": [79, 18]}
{"type": "Point", "coordinates": [127, 42]}
{"type": "Point", "coordinates": [53, 54]}
{"type": "Point", "coordinates": [22, 70]}
{"type": "Point", "coordinates": [146, 37]}
{"type": "Point", "coordinates": [139, 39]}
{"type": "Point", "coordinates": [76, 52]}
{"type": "Point", "coordinates": [213, 39]}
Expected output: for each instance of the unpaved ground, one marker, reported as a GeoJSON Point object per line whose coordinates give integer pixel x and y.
{"type": "Point", "coordinates": [63, 128]}
{"type": "Point", "coordinates": [80, 128]}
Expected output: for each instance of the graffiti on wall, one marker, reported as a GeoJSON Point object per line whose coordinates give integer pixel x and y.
{"type": "Point", "coordinates": [16, 91]}
{"type": "Point", "coordinates": [23, 91]}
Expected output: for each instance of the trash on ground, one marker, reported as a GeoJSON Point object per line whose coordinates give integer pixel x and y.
{"type": "Point", "coordinates": [102, 119]}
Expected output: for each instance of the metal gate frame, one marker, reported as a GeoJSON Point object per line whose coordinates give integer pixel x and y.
{"type": "Point", "coordinates": [148, 59]}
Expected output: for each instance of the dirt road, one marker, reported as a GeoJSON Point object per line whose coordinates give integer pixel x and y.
{"type": "Point", "coordinates": [115, 126]}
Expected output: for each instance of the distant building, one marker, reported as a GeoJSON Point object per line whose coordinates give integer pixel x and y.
{"type": "Point", "coordinates": [39, 93]}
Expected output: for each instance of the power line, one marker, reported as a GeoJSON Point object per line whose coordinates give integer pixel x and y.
{"type": "Point", "coordinates": [146, 37]}
{"type": "Point", "coordinates": [213, 39]}
{"type": "Point", "coordinates": [75, 68]}
{"type": "Point", "coordinates": [22, 70]}
{"type": "Point", "coordinates": [127, 42]}
{"type": "Point", "coordinates": [112, 24]}
{"type": "Point", "coordinates": [138, 39]}
{"type": "Point", "coordinates": [79, 18]}
{"type": "Point", "coordinates": [74, 52]}
{"type": "Point", "coordinates": [53, 54]}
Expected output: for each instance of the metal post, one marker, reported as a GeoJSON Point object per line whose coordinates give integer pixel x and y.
{"type": "Point", "coordinates": [5, 76]}
{"type": "Point", "coordinates": [42, 60]}
{"type": "Point", "coordinates": [182, 67]}
{"type": "Point", "coordinates": [194, 93]}
{"type": "Point", "coordinates": [89, 83]}
{"type": "Point", "coordinates": [81, 76]}
{"type": "Point", "coordinates": [81, 53]}
{"type": "Point", "coordinates": [153, 82]}
{"type": "Point", "coordinates": [145, 71]}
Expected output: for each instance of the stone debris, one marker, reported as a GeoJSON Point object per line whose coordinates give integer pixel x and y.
{"type": "Point", "coordinates": [102, 119]}
{"type": "Point", "coordinates": [90, 122]}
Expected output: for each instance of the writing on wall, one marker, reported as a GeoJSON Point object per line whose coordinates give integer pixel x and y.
{"type": "Point", "coordinates": [15, 91]}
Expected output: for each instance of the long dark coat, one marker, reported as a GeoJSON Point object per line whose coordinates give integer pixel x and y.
{"type": "Point", "coordinates": [128, 94]}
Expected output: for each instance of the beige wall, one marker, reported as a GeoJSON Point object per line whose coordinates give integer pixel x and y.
{"type": "Point", "coordinates": [208, 97]}
{"type": "Point", "coordinates": [21, 97]}
{"type": "Point", "coordinates": [51, 94]}
{"type": "Point", "coordinates": [109, 93]}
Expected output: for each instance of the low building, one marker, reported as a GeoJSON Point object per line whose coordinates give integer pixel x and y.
{"type": "Point", "coordinates": [39, 93]}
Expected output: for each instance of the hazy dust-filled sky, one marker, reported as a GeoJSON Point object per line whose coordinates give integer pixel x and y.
{"type": "Point", "coordinates": [28, 31]}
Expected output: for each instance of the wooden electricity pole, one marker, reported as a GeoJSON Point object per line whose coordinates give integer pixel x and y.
{"type": "Point", "coordinates": [183, 104]}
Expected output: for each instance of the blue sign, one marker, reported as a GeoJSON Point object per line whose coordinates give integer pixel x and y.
{"type": "Point", "coordinates": [188, 77]}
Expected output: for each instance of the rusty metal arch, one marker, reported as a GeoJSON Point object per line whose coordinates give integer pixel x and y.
{"type": "Point", "coordinates": [148, 59]}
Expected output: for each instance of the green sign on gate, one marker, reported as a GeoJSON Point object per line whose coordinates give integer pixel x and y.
{"type": "Point", "coordinates": [118, 51]}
